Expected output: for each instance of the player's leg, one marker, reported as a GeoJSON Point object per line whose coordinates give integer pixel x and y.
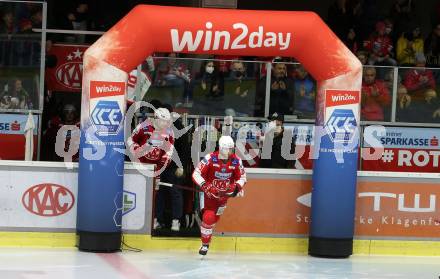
{"type": "Point", "coordinates": [159, 209]}
{"type": "Point", "coordinates": [211, 215]}
{"type": "Point", "coordinates": [209, 218]}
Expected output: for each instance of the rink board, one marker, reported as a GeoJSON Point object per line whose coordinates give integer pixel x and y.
{"type": "Point", "coordinates": [396, 213]}
{"type": "Point", "coordinates": [42, 197]}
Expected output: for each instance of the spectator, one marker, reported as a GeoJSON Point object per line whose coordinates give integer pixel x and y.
{"type": "Point", "coordinates": [225, 63]}
{"type": "Point", "coordinates": [15, 96]}
{"type": "Point", "coordinates": [173, 73]}
{"type": "Point", "coordinates": [363, 57]}
{"type": "Point", "coordinates": [408, 45]}
{"type": "Point", "coordinates": [388, 78]}
{"type": "Point", "coordinates": [8, 26]}
{"type": "Point", "coordinates": [375, 97]}
{"type": "Point", "coordinates": [404, 110]}
{"type": "Point", "coordinates": [210, 83]}
{"type": "Point", "coordinates": [25, 26]}
{"type": "Point", "coordinates": [175, 78]}
{"type": "Point", "coordinates": [418, 80]}
{"type": "Point", "coordinates": [281, 90]}
{"type": "Point", "coordinates": [274, 133]}
{"type": "Point", "coordinates": [305, 92]}
{"type": "Point", "coordinates": [351, 41]}
{"type": "Point", "coordinates": [224, 68]}
{"type": "Point", "coordinates": [79, 20]}
{"type": "Point", "coordinates": [428, 109]}
{"type": "Point", "coordinates": [37, 19]}
{"type": "Point", "coordinates": [69, 116]}
{"type": "Point", "coordinates": [389, 30]}
{"type": "Point", "coordinates": [238, 75]}
{"type": "Point", "coordinates": [432, 47]}
{"type": "Point", "coordinates": [380, 47]}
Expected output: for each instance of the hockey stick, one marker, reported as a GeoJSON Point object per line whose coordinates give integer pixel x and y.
{"type": "Point", "coordinates": [160, 183]}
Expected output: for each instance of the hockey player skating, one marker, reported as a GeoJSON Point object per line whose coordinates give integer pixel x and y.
{"type": "Point", "coordinates": [153, 142]}
{"type": "Point", "coordinates": [220, 175]}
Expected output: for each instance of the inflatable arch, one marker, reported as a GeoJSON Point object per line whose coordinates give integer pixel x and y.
{"type": "Point", "coordinates": [147, 29]}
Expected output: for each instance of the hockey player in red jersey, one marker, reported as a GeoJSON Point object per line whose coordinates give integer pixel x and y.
{"type": "Point", "coordinates": [220, 175]}
{"type": "Point", "coordinates": [153, 140]}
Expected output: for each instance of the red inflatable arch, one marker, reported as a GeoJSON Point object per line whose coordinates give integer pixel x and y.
{"type": "Point", "coordinates": [147, 29]}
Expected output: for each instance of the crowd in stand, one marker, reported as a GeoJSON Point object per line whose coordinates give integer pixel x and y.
{"type": "Point", "coordinates": [387, 40]}
{"type": "Point", "coordinates": [390, 40]}
{"type": "Point", "coordinates": [19, 46]}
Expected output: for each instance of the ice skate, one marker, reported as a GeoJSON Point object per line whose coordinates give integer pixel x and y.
{"type": "Point", "coordinates": [203, 250]}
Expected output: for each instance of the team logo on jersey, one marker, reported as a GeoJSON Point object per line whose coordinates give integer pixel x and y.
{"type": "Point", "coordinates": [222, 176]}
{"type": "Point", "coordinates": [234, 162]}
{"type": "Point", "coordinates": [220, 184]}
{"type": "Point", "coordinates": [223, 169]}
{"type": "Point", "coordinates": [155, 142]}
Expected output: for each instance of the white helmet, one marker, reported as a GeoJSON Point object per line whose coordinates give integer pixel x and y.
{"type": "Point", "coordinates": [225, 147]}
{"type": "Point", "coordinates": [225, 142]}
{"type": "Point", "coordinates": [163, 114]}
{"type": "Point", "coordinates": [162, 118]}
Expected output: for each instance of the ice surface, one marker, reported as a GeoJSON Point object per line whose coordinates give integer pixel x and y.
{"type": "Point", "coordinates": [24, 263]}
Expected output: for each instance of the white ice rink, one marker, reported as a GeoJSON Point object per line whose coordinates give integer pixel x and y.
{"type": "Point", "coordinates": [24, 263]}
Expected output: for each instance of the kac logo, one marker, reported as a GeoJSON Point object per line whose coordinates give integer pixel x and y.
{"type": "Point", "coordinates": [107, 117]}
{"type": "Point", "coordinates": [48, 200]}
{"type": "Point", "coordinates": [341, 126]}
{"type": "Point", "coordinates": [70, 75]}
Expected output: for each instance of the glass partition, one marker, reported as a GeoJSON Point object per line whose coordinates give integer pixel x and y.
{"type": "Point", "coordinates": [377, 93]}
{"type": "Point", "coordinates": [208, 87]}
{"type": "Point", "coordinates": [292, 91]}
{"type": "Point", "coordinates": [20, 56]}
{"type": "Point", "coordinates": [417, 95]}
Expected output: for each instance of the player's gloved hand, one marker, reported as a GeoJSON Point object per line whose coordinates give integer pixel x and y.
{"type": "Point", "coordinates": [179, 172]}
{"type": "Point", "coordinates": [164, 161]}
{"type": "Point", "coordinates": [134, 147]}
{"type": "Point", "coordinates": [234, 189]}
{"type": "Point", "coordinates": [209, 190]}
{"type": "Point", "coordinates": [136, 150]}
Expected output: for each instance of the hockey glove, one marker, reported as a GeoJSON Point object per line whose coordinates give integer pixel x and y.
{"type": "Point", "coordinates": [209, 190]}
{"type": "Point", "coordinates": [237, 189]}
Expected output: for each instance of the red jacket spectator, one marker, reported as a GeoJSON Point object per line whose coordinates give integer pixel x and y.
{"type": "Point", "coordinates": [375, 97]}
{"type": "Point", "coordinates": [417, 79]}
{"type": "Point", "coordinates": [380, 46]}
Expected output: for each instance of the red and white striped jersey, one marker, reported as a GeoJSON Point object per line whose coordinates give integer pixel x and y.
{"type": "Point", "coordinates": [219, 173]}
{"type": "Point", "coordinates": [159, 144]}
